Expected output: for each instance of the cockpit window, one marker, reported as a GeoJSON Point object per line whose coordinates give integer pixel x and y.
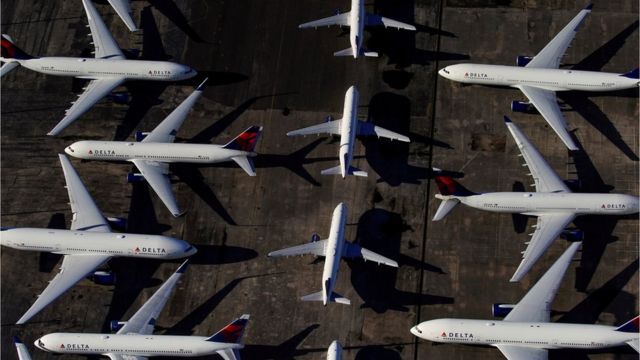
{"type": "Point", "coordinates": [70, 149]}
{"type": "Point", "coordinates": [445, 71]}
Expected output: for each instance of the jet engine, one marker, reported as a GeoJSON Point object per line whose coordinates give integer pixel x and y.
{"type": "Point", "coordinates": [501, 310]}
{"type": "Point", "coordinates": [119, 97]}
{"type": "Point", "coordinates": [315, 237]}
{"type": "Point", "coordinates": [117, 223]}
{"type": "Point", "coordinates": [523, 107]}
{"type": "Point", "coordinates": [572, 234]}
{"type": "Point", "coordinates": [115, 325]}
{"type": "Point", "coordinates": [522, 61]}
{"type": "Point", "coordinates": [103, 277]}
{"type": "Point", "coordinates": [134, 178]}
{"type": "Point", "coordinates": [141, 135]}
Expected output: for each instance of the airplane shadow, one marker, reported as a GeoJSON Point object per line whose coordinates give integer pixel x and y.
{"type": "Point", "coordinates": [221, 254]}
{"type": "Point", "coordinates": [169, 9]}
{"type": "Point", "coordinates": [47, 261]}
{"type": "Point", "coordinates": [381, 231]}
{"type": "Point", "coordinates": [283, 351]}
{"type": "Point", "coordinates": [377, 352]}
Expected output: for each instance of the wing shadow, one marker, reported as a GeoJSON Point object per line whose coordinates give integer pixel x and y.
{"type": "Point", "coordinates": [284, 351]}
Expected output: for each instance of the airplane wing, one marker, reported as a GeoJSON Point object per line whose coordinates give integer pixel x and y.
{"type": "Point", "coordinates": [105, 45]}
{"type": "Point", "coordinates": [369, 129]}
{"type": "Point", "coordinates": [157, 175]}
{"type": "Point", "coordinates": [125, 357]}
{"type": "Point", "coordinates": [143, 321]}
{"type": "Point", "coordinates": [74, 268]}
{"type": "Point", "coordinates": [546, 103]}
{"type": "Point", "coordinates": [351, 250]}
{"type": "Point", "coordinates": [86, 215]}
{"type": "Point", "coordinates": [167, 129]}
{"type": "Point", "coordinates": [550, 55]}
{"type": "Point", "coordinates": [377, 20]}
{"type": "Point", "coordinates": [340, 19]}
{"type": "Point", "coordinates": [514, 352]}
{"type": "Point", "coordinates": [96, 90]}
{"type": "Point", "coordinates": [123, 9]}
{"type": "Point", "coordinates": [546, 180]}
{"type": "Point", "coordinates": [548, 228]}
{"type": "Point", "coordinates": [316, 248]}
{"type": "Point", "coordinates": [535, 306]}
{"type": "Point", "coordinates": [330, 127]}
{"type": "Point", "coordinates": [21, 348]}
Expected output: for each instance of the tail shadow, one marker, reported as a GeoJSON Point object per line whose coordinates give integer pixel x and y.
{"type": "Point", "coordinates": [284, 351]}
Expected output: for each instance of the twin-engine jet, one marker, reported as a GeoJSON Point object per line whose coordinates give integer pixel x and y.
{"type": "Point", "coordinates": [356, 20]}
{"type": "Point", "coordinates": [135, 340]}
{"type": "Point", "coordinates": [348, 127]}
{"type": "Point", "coordinates": [108, 70]}
{"type": "Point", "coordinates": [540, 77]}
{"type": "Point", "coordinates": [333, 249]}
{"type": "Point", "coordinates": [87, 245]}
{"type": "Point", "coordinates": [525, 332]}
{"type": "Point", "coordinates": [553, 203]}
{"type": "Point", "coordinates": [153, 154]}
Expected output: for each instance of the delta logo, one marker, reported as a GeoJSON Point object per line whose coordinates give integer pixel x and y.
{"type": "Point", "coordinates": [146, 250]}
{"type": "Point", "coordinates": [614, 206]}
{"type": "Point", "coordinates": [456, 335]}
{"type": "Point", "coordinates": [476, 75]}
{"type": "Point", "coordinates": [74, 346]}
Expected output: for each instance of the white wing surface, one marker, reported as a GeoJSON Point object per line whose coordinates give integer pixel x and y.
{"type": "Point", "coordinates": [316, 248]}
{"type": "Point", "coordinates": [74, 268]}
{"type": "Point", "coordinates": [86, 215]}
{"type": "Point", "coordinates": [377, 20]}
{"type": "Point", "coordinates": [548, 228]}
{"type": "Point", "coordinates": [369, 129]}
{"type": "Point", "coordinates": [105, 45]}
{"type": "Point", "coordinates": [157, 175]}
{"type": "Point", "coordinates": [546, 103]}
{"type": "Point", "coordinates": [546, 180]}
{"type": "Point", "coordinates": [331, 127]}
{"type": "Point", "coordinates": [535, 306]}
{"type": "Point", "coordinates": [94, 92]}
{"type": "Point", "coordinates": [21, 348]}
{"type": "Point", "coordinates": [125, 357]}
{"type": "Point", "coordinates": [514, 352]}
{"type": "Point", "coordinates": [340, 19]}
{"type": "Point", "coordinates": [550, 55]}
{"type": "Point", "coordinates": [354, 250]}
{"type": "Point", "coordinates": [167, 129]}
{"type": "Point", "coordinates": [123, 9]}
{"type": "Point", "coordinates": [143, 321]}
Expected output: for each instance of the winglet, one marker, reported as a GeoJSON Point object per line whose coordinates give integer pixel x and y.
{"type": "Point", "coordinates": [633, 74]}
{"type": "Point", "coordinates": [589, 7]}
{"type": "Point", "coordinates": [16, 340]}
{"type": "Point", "coordinates": [201, 86]}
{"type": "Point", "coordinates": [231, 333]}
{"type": "Point", "coordinates": [631, 326]}
{"type": "Point", "coordinates": [507, 119]}
{"type": "Point", "coordinates": [183, 267]}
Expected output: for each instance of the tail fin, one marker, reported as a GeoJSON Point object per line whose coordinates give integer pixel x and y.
{"type": "Point", "coordinates": [11, 51]}
{"type": "Point", "coordinates": [631, 326]}
{"type": "Point", "coordinates": [246, 141]}
{"type": "Point", "coordinates": [448, 186]}
{"type": "Point", "coordinates": [633, 74]}
{"type": "Point", "coordinates": [231, 333]}
{"type": "Point", "coordinates": [246, 164]}
{"type": "Point", "coordinates": [445, 208]}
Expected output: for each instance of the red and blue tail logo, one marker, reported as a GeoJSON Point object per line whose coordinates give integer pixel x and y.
{"type": "Point", "coordinates": [231, 333]}
{"type": "Point", "coordinates": [448, 186]}
{"type": "Point", "coordinates": [246, 141]}
{"type": "Point", "coordinates": [631, 326]}
{"type": "Point", "coordinates": [10, 51]}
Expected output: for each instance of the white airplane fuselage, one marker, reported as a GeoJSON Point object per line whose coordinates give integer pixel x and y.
{"type": "Point", "coordinates": [348, 129]}
{"type": "Point", "coordinates": [90, 68]}
{"type": "Point", "coordinates": [533, 335]}
{"type": "Point", "coordinates": [549, 79]}
{"type": "Point", "coordinates": [357, 18]}
{"type": "Point", "coordinates": [68, 242]}
{"type": "Point", "coordinates": [536, 203]}
{"type": "Point", "coordinates": [160, 152]}
{"type": "Point", "coordinates": [133, 345]}
{"type": "Point", "coordinates": [333, 253]}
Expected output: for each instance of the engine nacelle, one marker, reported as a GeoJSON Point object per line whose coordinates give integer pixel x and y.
{"type": "Point", "coordinates": [119, 97]}
{"type": "Point", "coordinates": [573, 184]}
{"type": "Point", "coordinates": [501, 310]}
{"type": "Point", "coordinates": [140, 135]}
{"type": "Point", "coordinates": [572, 234]}
{"type": "Point", "coordinates": [133, 178]}
{"type": "Point", "coordinates": [103, 278]}
{"type": "Point", "coordinates": [117, 223]}
{"type": "Point", "coordinates": [115, 325]}
{"type": "Point", "coordinates": [315, 237]}
{"type": "Point", "coordinates": [523, 60]}
{"type": "Point", "coordinates": [328, 118]}
{"type": "Point", "coordinates": [518, 106]}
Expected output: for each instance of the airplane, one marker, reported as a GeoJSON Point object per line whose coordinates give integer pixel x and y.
{"type": "Point", "coordinates": [525, 332]}
{"type": "Point", "coordinates": [123, 9]}
{"type": "Point", "coordinates": [333, 248]}
{"type": "Point", "coordinates": [539, 77]}
{"type": "Point", "coordinates": [135, 340]}
{"type": "Point", "coordinates": [21, 349]}
{"type": "Point", "coordinates": [108, 70]}
{"type": "Point", "coordinates": [356, 19]}
{"type": "Point", "coordinates": [87, 245]}
{"type": "Point", "coordinates": [335, 351]}
{"type": "Point", "coordinates": [552, 203]}
{"type": "Point", "coordinates": [348, 127]}
{"type": "Point", "coordinates": [156, 150]}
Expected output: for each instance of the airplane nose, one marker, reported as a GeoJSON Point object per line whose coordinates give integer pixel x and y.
{"type": "Point", "coordinates": [39, 344]}
{"type": "Point", "coordinates": [416, 331]}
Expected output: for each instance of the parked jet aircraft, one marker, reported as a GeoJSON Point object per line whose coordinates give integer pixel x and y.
{"type": "Point", "coordinates": [333, 248]}
{"type": "Point", "coordinates": [539, 78]}
{"type": "Point", "coordinates": [107, 71]}
{"type": "Point", "coordinates": [348, 127]}
{"type": "Point", "coordinates": [135, 340]}
{"type": "Point", "coordinates": [123, 9]}
{"type": "Point", "coordinates": [525, 332]}
{"type": "Point", "coordinates": [335, 351]}
{"type": "Point", "coordinates": [156, 150]}
{"type": "Point", "coordinates": [87, 245]}
{"type": "Point", "coordinates": [356, 20]}
{"type": "Point", "coordinates": [552, 202]}
{"type": "Point", "coordinates": [21, 348]}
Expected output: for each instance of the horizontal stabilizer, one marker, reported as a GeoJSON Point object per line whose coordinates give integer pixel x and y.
{"type": "Point", "coordinates": [445, 208]}
{"type": "Point", "coordinates": [246, 164]}
{"type": "Point", "coordinates": [635, 344]}
{"type": "Point", "coordinates": [229, 354]}
{"type": "Point", "coordinates": [345, 52]}
{"type": "Point", "coordinates": [318, 296]}
{"type": "Point", "coordinates": [337, 170]}
{"type": "Point", "coordinates": [7, 67]}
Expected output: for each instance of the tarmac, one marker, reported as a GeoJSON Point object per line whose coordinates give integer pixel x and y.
{"type": "Point", "coordinates": [263, 70]}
